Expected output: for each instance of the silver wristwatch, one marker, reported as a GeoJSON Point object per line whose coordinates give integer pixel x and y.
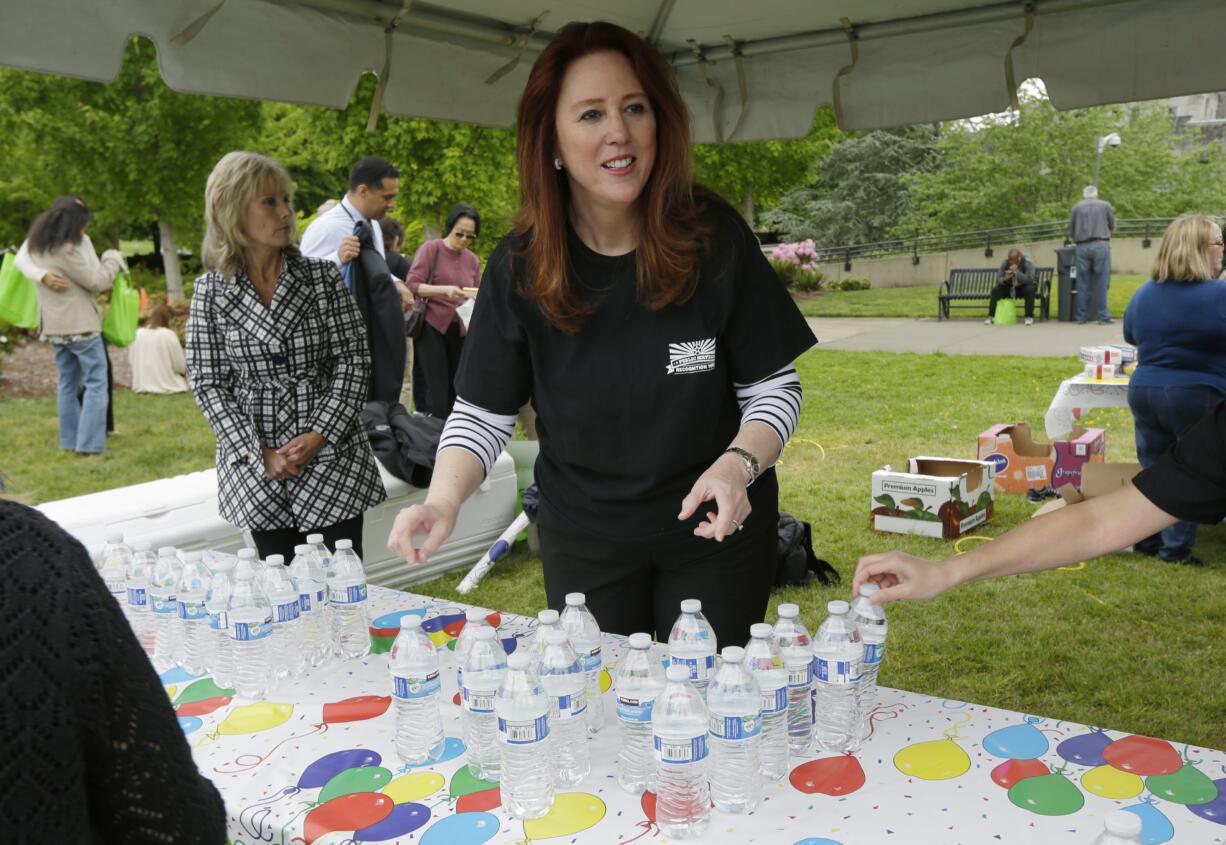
{"type": "Point", "coordinates": [751, 463]}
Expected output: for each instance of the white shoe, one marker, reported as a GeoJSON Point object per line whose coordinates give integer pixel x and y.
{"type": "Point", "coordinates": [1030, 321]}
{"type": "Point", "coordinates": [988, 321]}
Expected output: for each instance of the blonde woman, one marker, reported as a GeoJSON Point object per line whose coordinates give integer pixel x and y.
{"type": "Point", "coordinates": [1177, 321]}
{"type": "Point", "coordinates": [278, 362]}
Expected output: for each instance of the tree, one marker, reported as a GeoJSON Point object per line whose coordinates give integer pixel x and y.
{"type": "Point", "coordinates": [861, 189]}
{"type": "Point", "coordinates": [138, 152]}
{"type": "Point", "coordinates": [752, 174]}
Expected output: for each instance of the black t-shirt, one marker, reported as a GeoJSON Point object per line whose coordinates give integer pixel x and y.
{"type": "Point", "coordinates": [1189, 480]}
{"type": "Point", "coordinates": [637, 404]}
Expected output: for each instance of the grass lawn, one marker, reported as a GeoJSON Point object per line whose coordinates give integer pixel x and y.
{"type": "Point", "coordinates": [921, 301]}
{"type": "Point", "coordinates": [1121, 642]}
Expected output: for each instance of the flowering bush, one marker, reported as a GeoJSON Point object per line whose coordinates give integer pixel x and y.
{"type": "Point", "coordinates": [796, 265]}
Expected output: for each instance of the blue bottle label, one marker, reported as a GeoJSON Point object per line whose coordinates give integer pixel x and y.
{"type": "Point", "coordinates": [475, 701]}
{"type": "Point", "coordinates": [873, 652]}
{"type": "Point", "coordinates": [413, 688]}
{"type": "Point", "coordinates": [571, 706]}
{"type": "Point", "coordinates": [347, 595]}
{"type": "Point", "coordinates": [137, 597]}
{"type": "Point", "coordinates": [735, 727]}
{"type": "Point", "coordinates": [674, 751]}
{"type": "Point", "coordinates": [251, 631]}
{"type": "Point", "coordinates": [164, 606]}
{"type": "Point", "coordinates": [217, 621]}
{"type": "Point", "coordinates": [192, 610]}
{"type": "Point", "coordinates": [774, 701]}
{"type": "Point", "coordinates": [523, 733]}
{"type": "Point", "coordinates": [286, 612]}
{"type": "Point", "coordinates": [634, 709]}
{"type": "Point", "coordinates": [800, 676]}
{"type": "Point", "coordinates": [700, 667]}
{"type": "Point", "coordinates": [837, 671]}
{"type": "Point", "coordinates": [591, 662]}
{"type": "Point", "coordinates": [308, 602]}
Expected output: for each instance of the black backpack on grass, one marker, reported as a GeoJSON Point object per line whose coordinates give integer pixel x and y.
{"type": "Point", "coordinates": [796, 558]}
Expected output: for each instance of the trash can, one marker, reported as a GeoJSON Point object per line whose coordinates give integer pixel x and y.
{"type": "Point", "coordinates": [1066, 287]}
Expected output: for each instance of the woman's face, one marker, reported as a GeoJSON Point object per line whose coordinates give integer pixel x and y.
{"type": "Point", "coordinates": [462, 234]}
{"type": "Point", "coordinates": [606, 131]}
{"type": "Point", "coordinates": [1215, 249]}
{"type": "Point", "coordinates": [269, 218]}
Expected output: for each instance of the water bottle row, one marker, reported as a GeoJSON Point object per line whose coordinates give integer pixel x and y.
{"type": "Point", "coordinates": [249, 623]}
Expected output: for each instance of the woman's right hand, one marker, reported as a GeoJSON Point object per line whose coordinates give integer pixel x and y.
{"type": "Point", "coordinates": [434, 521]}
{"type": "Point", "coordinates": [453, 292]}
{"type": "Point", "coordinates": [55, 281]}
{"type": "Point", "coordinates": [277, 466]}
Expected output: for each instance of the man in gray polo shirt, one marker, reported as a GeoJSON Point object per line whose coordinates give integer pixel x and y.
{"type": "Point", "coordinates": [1090, 227]}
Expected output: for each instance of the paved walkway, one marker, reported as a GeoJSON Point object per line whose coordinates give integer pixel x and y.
{"type": "Point", "coordinates": [960, 336]}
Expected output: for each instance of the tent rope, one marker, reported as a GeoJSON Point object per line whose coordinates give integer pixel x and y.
{"type": "Point", "coordinates": [1010, 77]}
{"type": "Point", "coordinates": [853, 42]}
{"type": "Point", "coordinates": [376, 103]}
{"type": "Point", "coordinates": [522, 43]}
{"type": "Point", "coordinates": [193, 29]}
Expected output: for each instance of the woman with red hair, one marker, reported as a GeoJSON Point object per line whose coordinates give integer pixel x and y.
{"type": "Point", "coordinates": [637, 313]}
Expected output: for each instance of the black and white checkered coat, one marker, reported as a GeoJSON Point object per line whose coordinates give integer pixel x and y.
{"type": "Point", "coordinates": [265, 375]}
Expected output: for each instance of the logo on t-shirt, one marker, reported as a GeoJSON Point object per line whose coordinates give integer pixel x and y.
{"type": "Point", "coordinates": [695, 356]}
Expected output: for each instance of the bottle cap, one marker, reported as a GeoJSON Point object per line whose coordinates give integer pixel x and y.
{"type": "Point", "coordinates": [575, 599]}
{"type": "Point", "coordinates": [838, 607]}
{"type": "Point", "coordinates": [476, 614]}
{"type": "Point", "coordinates": [275, 560]}
{"type": "Point", "coordinates": [868, 588]}
{"type": "Point", "coordinates": [303, 549]}
{"type": "Point", "coordinates": [677, 674]}
{"type": "Point", "coordinates": [315, 539]}
{"type": "Point", "coordinates": [246, 554]}
{"type": "Point", "coordinates": [640, 640]}
{"type": "Point", "coordinates": [344, 544]}
{"type": "Point", "coordinates": [555, 636]}
{"type": "Point", "coordinates": [761, 631]}
{"type": "Point", "coordinates": [519, 660]}
{"type": "Point", "coordinates": [1123, 823]}
{"type": "Point", "coordinates": [691, 606]}
{"type": "Point", "coordinates": [171, 551]}
{"type": "Point", "coordinates": [789, 611]}
{"type": "Point", "coordinates": [485, 632]}
{"type": "Point", "coordinates": [114, 536]}
{"type": "Point", "coordinates": [410, 622]}
{"type": "Point", "coordinates": [142, 546]}
{"type": "Point", "coordinates": [733, 654]}
{"type": "Point", "coordinates": [548, 616]}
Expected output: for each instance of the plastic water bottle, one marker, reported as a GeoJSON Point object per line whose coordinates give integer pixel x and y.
{"type": "Point", "coordinates": [136, 585]}
{"type": "Point", "coordinates": [167, 632]}
{"type": "Point", "coordinates": [584, 633]}
{"type": "Point", "coordinates": [309, 579]}
{"type": "Point", "coordinates": [839, 657]}
{"type": "Point", "coordinates": [249, 616]}
{"type": "Point", "coordinates": [321, 549]}
{"type": "Point", "coordinates": [217, 600]}
{"type": "Point", "coordinates": [679, 732]}
{"type": "Point", "coordinates": [522, 708]}
{"type": "Point", "coordinates": [114, 564]}
{"type": "Point", "coordinates": [485, 665]}
{"type": "Point", "coordinates": [562, 678]}
{"type": "Point", "coordinates": [190, 594]}
{"type": "Point", "coordinates": [415, 688]}
{"type": "Point", "coordinates": [474, 619]}
{"type": "Point", "coordinates": [871, 622]}
{"type": "Point", "coordinates": [286, 645]}
{"type": "Point", "coordinates": [1120, 827]}
{"type": "Point", "coordinates": [763, 659]}
{"type": "Point", "coordinates": [545, 619]}
{"type": "Point", "coordinates": [639, 681]}
{"type": "Point", "coordinates": [797, 651]}
{"type": "Point", "coordinates": [692, 644]}
{"type": "Point", "coordinates": [347, 595]}
{"type": "Point", "coordinates": [734, 700]}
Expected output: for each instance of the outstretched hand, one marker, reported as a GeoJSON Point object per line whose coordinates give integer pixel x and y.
{"type": "Point", "coordinates": [902, 576]}
{"type": "Point", "coordinates": [724, 483]}
{"type": "Point", "coordinates": [419, 530]}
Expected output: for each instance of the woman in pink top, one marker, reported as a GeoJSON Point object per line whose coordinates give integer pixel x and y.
{"type": "Point", "coordinates": [446, 273]}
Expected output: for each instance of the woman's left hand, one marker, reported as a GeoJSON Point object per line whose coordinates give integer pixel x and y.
{"type": "Point", "coordinates": [302, 449]}
{"type": "Point", "coordinates": [724, 483]}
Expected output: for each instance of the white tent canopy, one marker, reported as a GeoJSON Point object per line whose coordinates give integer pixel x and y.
{"type": "Point", "coordinates": [749, 69]}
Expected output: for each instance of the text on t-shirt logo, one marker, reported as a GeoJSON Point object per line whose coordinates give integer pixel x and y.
{"type": "Point", "coordinates": [695, 356]}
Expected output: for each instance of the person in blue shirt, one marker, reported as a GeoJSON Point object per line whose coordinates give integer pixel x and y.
{"type": "Point", "coordinates": [1177, 321]}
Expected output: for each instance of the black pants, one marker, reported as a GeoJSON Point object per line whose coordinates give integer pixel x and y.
{"type": "Point", "coordinates": [635, 586]}
{"type": "Point", "coordinates": [281, 541]}
{"type": "Point", "coordinates": [440, 357]}
{"type": "Point", "coordinates": [1004, 290]}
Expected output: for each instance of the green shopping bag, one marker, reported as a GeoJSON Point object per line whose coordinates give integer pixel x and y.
{"type": "Point", "coordinates": [18, 298]}
{"type": "Point", "coordinates": [122, 315]}
{"type": "Point", "coordinates": [1006, 313]}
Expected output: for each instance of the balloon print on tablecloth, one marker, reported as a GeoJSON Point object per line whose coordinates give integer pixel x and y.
{"type": "Point", "coordinates": [436, 626]}
{"type": "Point", "coordinates": [1110, 782]}
{"type": "Point", "coordinates": [401, 821]}
{"type": "Point", "coordinates": [1047, 795]}
{"type": "Point", "coordinates": [1012, 771]}
{"type": "Point", "coordinates": [817, 840]}
{"type": "Point", "coordinates": [361, 779]}
{"type": "Point", "coordinates": [936, 759]}
{"type": "Point", "coordinates": [571, 813]}
{"type": "Point", "coordinates": [383, 629]}
{"type": "Point", "coordinates": [1143, 755]}
{"type": "Point", "coordinates": [415, 786]}
{"type": "Point", "coordinates": [354, 811]}
{"type": "Point", "coordinates": [471, 794]}
{"type": "Point", "coordinates": [1017, 742]}
{"type": "Point", "coordinates": [330, 765]}
{"type": "Point", "coordinates": [1086, 749]}
{"type": "Point", "coordinates": [190, 724]}
{"type": "Point", "coordinates": [177, 675]}
{"type": "Point", "coordinates": [201, 698]}
{"type": "Point", "coordinates": [356, 709]}
{"type": "Point", "coordinates": [838, 776]}
{"type": "Point", "coordinates": [462, 829]}
{"type": "Point", "coordinates": [1189, 785]}
{"type": "Point", "coordinates": [1215, 810]}
{"type": "Point", "coordinates": [453, 747]}
{"type": "Point", "coordinates": [1156, 828]}
{"type": "Point", "coordinates": [256, 717]}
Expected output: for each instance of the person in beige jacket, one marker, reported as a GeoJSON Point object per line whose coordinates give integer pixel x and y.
{"type": "Point", "coordinates": [60, 256]}
{"type": "Point", "coordinates": [156, 356]}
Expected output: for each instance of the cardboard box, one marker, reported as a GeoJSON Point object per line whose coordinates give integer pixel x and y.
{"type": "Point", "coordinates": [1022, 463]}
{"type": "Point", "coordinates": [935, 497]}
{"type": "Point", "coordinates": [1096, 480]}
{"type": "Point", "coordinates": [1118, 354]}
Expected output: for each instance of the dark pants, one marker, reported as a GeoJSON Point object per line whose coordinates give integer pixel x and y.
{"type": "Point", "coordinates": [1004, 290]}
{"type": "Point", "coordinates": [420, 397]}
{"type": "Point", "coordinates": [638, 586]}
{"type": "Point", "coordinates": [440, 356]}
{"type": "Point", "coordinates": [281, 541]}
{"type": "Point", "coordinates": [1162, 415]}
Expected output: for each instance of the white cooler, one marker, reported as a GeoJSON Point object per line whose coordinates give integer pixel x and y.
{"type": "Point", "coordinates": [182, 512]}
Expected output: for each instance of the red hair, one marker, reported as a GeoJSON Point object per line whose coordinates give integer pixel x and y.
{"type": "Point", "coordinates": [672, 232]}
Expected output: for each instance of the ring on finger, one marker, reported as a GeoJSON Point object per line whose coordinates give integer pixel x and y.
{"type": "Point", "coordinates": [736, 526]}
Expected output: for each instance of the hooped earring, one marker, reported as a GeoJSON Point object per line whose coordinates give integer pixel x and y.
{"type": "Point", "coordinates": [557, 163]}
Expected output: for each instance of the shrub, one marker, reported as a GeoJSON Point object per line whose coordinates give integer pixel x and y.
{"type": "Point", "coordinates": [851, 283]}
{"type": "Point", "coordinates": [796, 265]}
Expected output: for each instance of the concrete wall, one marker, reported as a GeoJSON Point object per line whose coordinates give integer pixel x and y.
{"type": "Point", "coordinates": [1127, 256]}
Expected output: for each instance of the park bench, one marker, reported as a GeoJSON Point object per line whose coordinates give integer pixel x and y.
{"type": "Point", "coordinates": [965, 287]}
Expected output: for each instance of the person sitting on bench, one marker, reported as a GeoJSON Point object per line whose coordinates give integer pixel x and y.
{"type": "Point", "coordinates": [1015, 271]}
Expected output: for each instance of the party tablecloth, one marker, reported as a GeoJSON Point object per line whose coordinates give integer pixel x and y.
{"type": "Point", "coordinates": [1079, 394]}
{"type": "Point", "coordinates": [315, 763]}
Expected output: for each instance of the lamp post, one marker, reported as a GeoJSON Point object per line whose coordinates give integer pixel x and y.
{"type": "Point", "coordinates": [1112, 140]}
